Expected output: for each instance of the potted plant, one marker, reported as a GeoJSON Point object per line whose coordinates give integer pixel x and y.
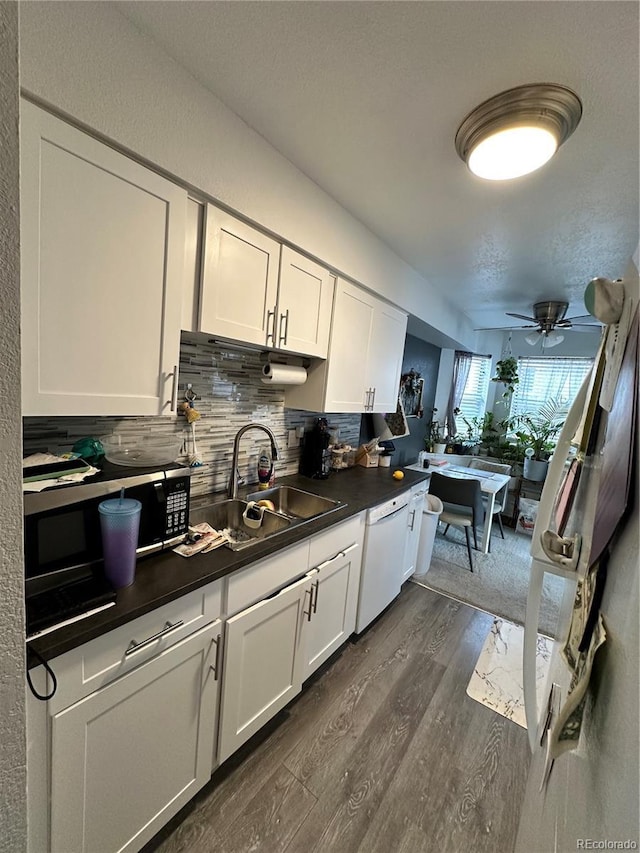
{"type": "Point", "coordinates": [433, 440]}
{"type": "Point", "coordinates": [538, 435]}
{"type": "Point", "coordinates": [507, 373]}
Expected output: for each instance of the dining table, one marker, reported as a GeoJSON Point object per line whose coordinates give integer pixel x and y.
{"type": "Point", "coordinates": [490, 484]}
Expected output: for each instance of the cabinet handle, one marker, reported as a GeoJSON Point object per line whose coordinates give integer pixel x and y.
{"type": "Point", "coordinates": [315, 597]}
{"type": "Point", "coordinates": [271, 334]}
{"type": "Point", "coordinates": [216, 664]}
{"type": "Point", "coordinates": [373, 398]}
{"type": "Point", "coordinates": [367, 400]}
{"type": "Point", "coordinates": [342, 553]}
{"type": "Point", "coordinates": [173, 402]}
{"type": "Point", "coordinates": [282, 338]}
{"type": "Point", "coordinates": [310, 611]}
{"type": "Point", "coordinates": [134, 647]}
{"type": "Point", "coordinates": [413, 518]}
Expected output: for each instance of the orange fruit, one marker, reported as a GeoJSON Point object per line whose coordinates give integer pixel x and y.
{"type": "Point", "coordinates": [398, 475]}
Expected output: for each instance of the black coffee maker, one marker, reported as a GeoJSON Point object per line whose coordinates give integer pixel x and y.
{"type": "Point", "coordinates": [315, 460]}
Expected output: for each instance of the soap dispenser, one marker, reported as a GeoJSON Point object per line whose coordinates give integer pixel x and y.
{"type": "Point", "coordinates": [266, 470]}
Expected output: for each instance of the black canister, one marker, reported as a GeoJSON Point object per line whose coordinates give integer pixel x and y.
{"type": "Point", "coordinates": [315, 460]}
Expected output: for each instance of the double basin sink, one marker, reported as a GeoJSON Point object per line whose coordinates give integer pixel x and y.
{"type": "Point", "coordinates": [291, 507]}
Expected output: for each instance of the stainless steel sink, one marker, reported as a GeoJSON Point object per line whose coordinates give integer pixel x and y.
{"type": "Point", "coordinates": [227, 515]}
{"type": "Point", "coordinates": [295, 504]}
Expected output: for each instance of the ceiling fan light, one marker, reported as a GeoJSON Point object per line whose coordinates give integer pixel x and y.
{"type": "Point", "coordinates": [512, 152]}
{"type": "Point", "coordinates": [517, 131]}
{"type": "Point", "coordinates": [532, 338]}
{"type": "Point", "coordinates": [552, 339]}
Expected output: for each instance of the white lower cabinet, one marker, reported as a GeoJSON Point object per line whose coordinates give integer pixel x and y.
{"type": "Point", "coordinates": [127, 757]}
{"type": "Point", "coordinates": [263, 663]}
{"type": "Point", "coordinates": [416, 504]}
{"type": "Point", "coordinates": [334, 605]}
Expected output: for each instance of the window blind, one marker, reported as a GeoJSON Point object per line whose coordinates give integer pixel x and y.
{"type": "Point", "coordinates": [474, 396]}
{"type": "Point", "coordinates": [543, 379]}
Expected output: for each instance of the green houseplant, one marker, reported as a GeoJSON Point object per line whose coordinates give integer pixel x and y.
{"type": "Point", "coordinates": [507, 373]}
{"type": "Point", "coordinates": [538, 433]}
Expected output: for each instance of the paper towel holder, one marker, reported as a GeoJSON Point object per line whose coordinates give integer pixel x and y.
{"type": "Point", "coordinates": [269, 357]}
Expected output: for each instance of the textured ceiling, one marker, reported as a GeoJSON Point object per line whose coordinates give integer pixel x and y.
{"type": "Point", "coordinates": [365, 98]}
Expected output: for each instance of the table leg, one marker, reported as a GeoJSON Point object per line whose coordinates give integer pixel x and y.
{"type": "Point", "coordinates": [488, 520]}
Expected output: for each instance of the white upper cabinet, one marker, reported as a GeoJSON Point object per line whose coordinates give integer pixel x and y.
{"type": "Point", "coordinates": [258, 292]}
{"type": "Point", "coordinates": [102, 269]}
{"type": "Point", "coordinates": [362, 370]}
{"type": "Point", "coordinates": [239, 280]}
{"type": "Point", "coordinates": [305, 300]}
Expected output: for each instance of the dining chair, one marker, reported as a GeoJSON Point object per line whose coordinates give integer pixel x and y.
{"type": "Point", "coordinates": [463, 507]}
{"type": "Point", "coordinates": [501, 496]}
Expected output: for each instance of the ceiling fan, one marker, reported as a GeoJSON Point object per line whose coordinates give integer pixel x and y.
{"type": "Point", "coordinates": [548, 317]}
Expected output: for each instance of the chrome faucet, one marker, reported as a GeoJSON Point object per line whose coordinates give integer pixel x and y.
{"type": "Point", "coordinates": [235, 476]}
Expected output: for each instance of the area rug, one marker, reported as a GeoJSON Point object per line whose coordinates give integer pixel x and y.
{"type": "Point", "coordinates": [497, 678]}
{"type": "Point", "coordinates": [500, 580]}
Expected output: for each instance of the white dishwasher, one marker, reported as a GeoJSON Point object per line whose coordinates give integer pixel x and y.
{"type": "Point", "coordinates": [382, 558]}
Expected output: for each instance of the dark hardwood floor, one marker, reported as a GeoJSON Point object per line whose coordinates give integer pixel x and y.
{"type": "Point", "coordinates": [383, 752]}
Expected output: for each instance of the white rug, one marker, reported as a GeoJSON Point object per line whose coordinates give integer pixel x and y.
{"type": "Point", "coordinates": [500, 580]}
{"type": "Point", "coordinates": [497, 680]}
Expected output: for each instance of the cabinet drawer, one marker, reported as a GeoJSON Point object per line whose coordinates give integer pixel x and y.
{"type": "Point", "coordinates": [98, 662]}
{"type": "Point", "coordinates": [329, 542]}
{"type": "Point", "coordinates": [261, 579]}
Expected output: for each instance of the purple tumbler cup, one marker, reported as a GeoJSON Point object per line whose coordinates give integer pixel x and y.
{"type": "Point", "coordinates": [120, 522]}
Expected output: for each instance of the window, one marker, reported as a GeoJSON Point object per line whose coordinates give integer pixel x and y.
{"type": "Point", "coordinates": [543, 379]}
{"type": "Point", "coordinates": [474, 396]}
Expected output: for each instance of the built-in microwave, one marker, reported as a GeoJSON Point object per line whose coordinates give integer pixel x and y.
{"type": "Point", "coordinates": [62, 538]}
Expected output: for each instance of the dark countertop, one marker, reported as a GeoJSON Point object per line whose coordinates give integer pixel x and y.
{"type": "Point", "coordinates": [161, 578]}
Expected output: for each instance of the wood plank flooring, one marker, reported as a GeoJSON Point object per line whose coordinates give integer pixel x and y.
{"type": "Point", "coordinates": [383, 752]}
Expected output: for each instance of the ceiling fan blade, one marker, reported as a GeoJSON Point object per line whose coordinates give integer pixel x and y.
{"type": "Point", "coordinates": [504, 328]}
{"type": "Point", "coordinates": [521, 317]}
{"type": "Point", "coordinates": [589, 317]}
{"type": "Point", "coordinates": [585, 327]}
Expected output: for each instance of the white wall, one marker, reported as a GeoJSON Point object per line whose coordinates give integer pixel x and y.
{"type": "Point", "coordinates": [12, 648]}
{"type": "Point", "coordinates": [89, 61]}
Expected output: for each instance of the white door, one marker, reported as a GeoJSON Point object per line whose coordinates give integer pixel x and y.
{"type": "Point", "coordinates": [239, 280]}
{"type": "Point", "coordinates": [385, 356]}
{"type": "Point", "coordinates": [334, 605]}
{"type": "Point", "coordinates": [262, 663]}
{"type": "Point", "coordinates": [305, 300]}
{"type": "Point", "coordinates": [126, 758]}
{"type": "Point", "coordinates": [102, 266]}
{"type": "Point", "coordinates": [413, 533]}
{"type": "Point", "coordinates": [347, 365]}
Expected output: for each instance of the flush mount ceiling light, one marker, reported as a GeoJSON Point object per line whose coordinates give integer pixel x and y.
{"type": "Point", "coordinates": [517, 131]}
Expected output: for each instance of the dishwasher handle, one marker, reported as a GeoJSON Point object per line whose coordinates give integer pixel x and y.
{"type": "Point", "coordinates": [376, 519]}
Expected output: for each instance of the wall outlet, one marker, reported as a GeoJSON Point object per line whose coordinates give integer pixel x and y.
{"type": "Point", "coordinates": [292, 438]}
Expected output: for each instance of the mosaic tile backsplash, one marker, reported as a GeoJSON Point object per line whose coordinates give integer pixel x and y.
{"type": "Point", "coordinates": [230, 394]}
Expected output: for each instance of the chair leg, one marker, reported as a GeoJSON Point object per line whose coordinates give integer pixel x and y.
{"type": "Point", "coordinates": [475, 538]}
{"type": "Point", "coordinates": [444, 532]}
{"type": "Point", "coordinates": [466, 531]}
{"type": "Point", "coordinates": [500, 524]}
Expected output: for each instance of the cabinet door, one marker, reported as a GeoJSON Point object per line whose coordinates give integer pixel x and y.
{"type": "Point", "coordinates": [388, 335]}
{"type": "Point", "coordinates": [413, 534]}
{"type": "Point", "coordinates": [334, 606]}
{"type": "Point", "coordinates": [347, 367]}
{"type": "Point", "coordinates": [262, 663]}
{"type": "Point", "coordinates": [102, 267]}
{"type": "Point", "coordinates": [305, 300]}
{"type": "Point", "coordinates": [126, 758]}
{"type": "Point", "coordinates": [239, 280]}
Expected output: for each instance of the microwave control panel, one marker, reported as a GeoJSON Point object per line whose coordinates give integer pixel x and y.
{"type": "Point", "coordinates": [177, 507]}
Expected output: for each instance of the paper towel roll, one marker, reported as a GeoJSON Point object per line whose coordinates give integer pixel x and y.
{"type": "Point", "coordinates": [283, 374]}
